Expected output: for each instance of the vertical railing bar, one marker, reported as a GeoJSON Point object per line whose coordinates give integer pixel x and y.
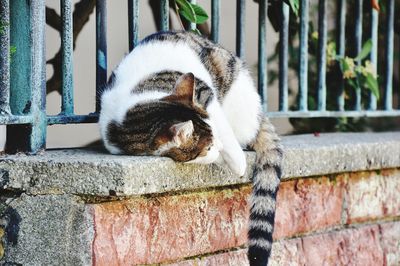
{"type": "Point", "coordinates": [38, 76]}
{"type": "Point", "coordinates": [283, 58]}
{"type": "Point", "coordinates": [101, 49]}
{"type": "Point", "coordinates": [67, 105]}
{"type": "Point", "coordinates": [303, 58]}
{"type": "Point", "coordinates": [389, 55]}
{"type": "Point", "coordinates": [262, 58]}
{"type": "Point", "coordinates": [18, 137]}
{"type": "Point", "coordinates": [164, 15]}
{"type": "Point", "coordinates": [133, 23]}
{"type": "Point", "coordinates": [340, 48]}
{"type": "Point", "coordinates": [240, 28]}
{"type": "Point", "coordinates": [322, 37]}
{"type": "Point", "coordinates": [358, 46]}
{"type": "Point", "coordinates": [215, 18]}
{"type": "Point", "coordinates": [5, 58]}
{"type": "Point", "coordinates": [192, 25]}
{"type": "Point", "coordinates": [374, 52]}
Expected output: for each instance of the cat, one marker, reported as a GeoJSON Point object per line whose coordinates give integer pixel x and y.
{"type": "Point", "coordinates": [182, 96]}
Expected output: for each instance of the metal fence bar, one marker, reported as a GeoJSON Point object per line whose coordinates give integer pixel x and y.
{"type": "Point", "coordinates": [16, 119]}
{"type": "Point", "coordinates": [358, 45]}
{"type": "Point", "coordinates": [374, 53]}
{"type": "Point", "coordinates": [18, 136]}
{"type": "Point", "coordinates": [164, 14]}
{"type": "Point", "coordinates": [215, 15]}
{"type": "Point", "coordinates": [340, 46]}
{"type": "Point", "coordinates": [67, 105]}
{"type": "Point", "coordinates": [72, 119]}
{"type": "Point", "coordinates": [5, 58]}
{"type": "Point", "coordinates": [348, 113]}
{"type": "Point", "coordinates": [38, 75]}
{"type": "Point", "coordinates": [283, 58]}
{"type": "Point", "coordinates": [101, 48]}
{"type": "Point", "coordinates": [262, 55]}
{"type": "Point", "coordinates": [303, 55]}
{"type": "Point", "coordinates": [322, 38]}
{"type": "Point", "coordinates": [240, 28]}
{"type": "Point", "coordinates": [133, 23]}
{"type": "Point", "coordinates": [389, 55]}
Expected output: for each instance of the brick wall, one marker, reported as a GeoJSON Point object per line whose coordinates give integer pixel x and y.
{"type": "Point", "coordinates": [345, 219]}
{"type": "Point", "coordinates": [340, 206]}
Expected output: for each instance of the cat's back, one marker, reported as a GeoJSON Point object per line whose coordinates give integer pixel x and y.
{"type": "Point", "coordinates": [222, 65]}
{"type": "Point", "coordinates": [160, 52]}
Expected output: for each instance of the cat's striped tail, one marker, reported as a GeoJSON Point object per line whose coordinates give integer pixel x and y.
{"type": "Point", "coordinates": [266, 179]}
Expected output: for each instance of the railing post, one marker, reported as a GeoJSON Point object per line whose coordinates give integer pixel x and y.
{"type": "Point", "coordinates": [133, 22]}
{"type": "Point", "coordinates": [284, 58]}
{"type": "Point", "coordinates": [101, 49]}
{"type": "Point", "coordinates": [67, 104]}
{"type": "Point", "coordinates": [5, 58]}
{"type": "Point", "coordinates": [240, 28]}
{"type": "Point", "coordinates": [28, 82]}
{"type": "Point", "coordinates": [215, 16]}
{"type": "Point", "coordinates": [262, 60]}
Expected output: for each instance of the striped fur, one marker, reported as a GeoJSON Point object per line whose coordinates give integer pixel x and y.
{"type": "Point", "coordinates": [143, 104]}
{"type": "Point", "coordinates": [266, 179]}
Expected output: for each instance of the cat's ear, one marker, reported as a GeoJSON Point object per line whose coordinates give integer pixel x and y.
{"type": "Point", "coordinates": [184, 87]}
{"type": "Point", "coordinates": [182, 132]}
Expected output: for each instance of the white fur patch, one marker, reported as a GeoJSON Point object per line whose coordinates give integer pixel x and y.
{"type": "Point", "coordinates": [242, 107]}
{"type": "Point", "coordinates": [231, 152]}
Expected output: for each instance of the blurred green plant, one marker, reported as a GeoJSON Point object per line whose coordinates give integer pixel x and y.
{"type": "Point", "coordinates": [351, 72]}
{"type": "Point", "coordinates": [193, 13]}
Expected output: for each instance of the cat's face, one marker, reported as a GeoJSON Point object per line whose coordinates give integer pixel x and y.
{"type": "Point", "coordinates": [173, 126]}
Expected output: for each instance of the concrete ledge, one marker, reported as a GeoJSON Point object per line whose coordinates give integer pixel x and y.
{"type": "Point", "coordinates": [94, 172]}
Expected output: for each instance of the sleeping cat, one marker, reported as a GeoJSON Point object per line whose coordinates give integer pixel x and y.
{"type": "Point", "coordinates": [182, 96]}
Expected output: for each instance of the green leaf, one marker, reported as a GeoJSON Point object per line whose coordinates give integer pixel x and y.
{"type": "Point", "coordinates": [372, 84]}
{"type": "Point", "coordinates": [186, 10]}
{"type": "Point", "coordinates": [352, 83]}
{"type": "Point", "coordinates": [343, 64]}
{"type": "Point", "coordinates": [200, 14]}
{"type": "Point", "coordinates": [366, 49]}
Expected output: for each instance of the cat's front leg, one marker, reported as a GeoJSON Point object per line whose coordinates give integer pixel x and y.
{"type": "Point", "coordinates": [231, 151]}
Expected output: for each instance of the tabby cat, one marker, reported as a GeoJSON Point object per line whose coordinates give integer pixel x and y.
{"type": "Point", "coordinates": [182, 96]}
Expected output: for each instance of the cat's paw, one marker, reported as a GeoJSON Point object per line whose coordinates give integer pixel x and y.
{"type": "Point", "coordinates": [236, 162]}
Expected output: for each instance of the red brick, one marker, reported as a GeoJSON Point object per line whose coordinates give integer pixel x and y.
{"type": "Point", "coordinates": [168, 228]}
{"type": "Point", "coordinates": [364, 246]}
{"type": "Point", "coordinates": [287, 252]}
{"type": "Point", "coordinates": [307, 205]}
{"type": "Point", "coordinates": [370, 195]}
{"type": "Point", "coordinates": [348, 247]}
{"type": "Point", "coordinates": [229, 258]}
{"type": "Point", "coordinates": [390, 242]}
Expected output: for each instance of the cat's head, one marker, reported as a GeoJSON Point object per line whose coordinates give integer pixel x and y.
{"type": "Point", "coordinates": [174, 126]}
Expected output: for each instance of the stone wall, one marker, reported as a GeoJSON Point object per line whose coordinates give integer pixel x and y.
{"type": "Point", "coordinates": [338, 204]}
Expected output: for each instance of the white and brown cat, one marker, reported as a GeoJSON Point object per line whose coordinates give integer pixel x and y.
{"type": "Point", "coordinates": [182, 96]}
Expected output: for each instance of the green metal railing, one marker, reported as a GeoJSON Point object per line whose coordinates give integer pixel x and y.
{"type": "Point", "coordinates": [23, 81]}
